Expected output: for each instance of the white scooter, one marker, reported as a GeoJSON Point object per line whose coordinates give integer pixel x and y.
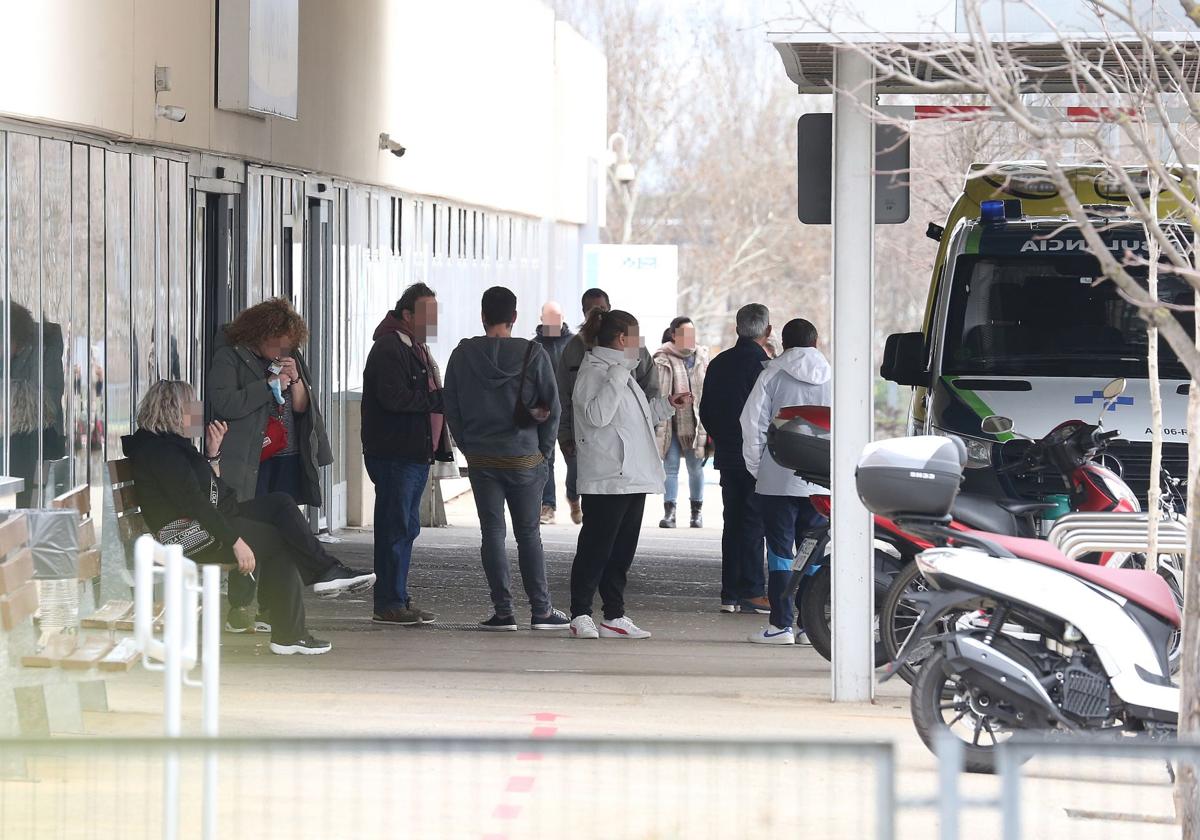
{"type": "Point", "coordinates": [1094, 651]}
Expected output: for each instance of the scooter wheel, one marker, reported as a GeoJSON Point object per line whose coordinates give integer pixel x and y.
{"type": "Point", "coordinates": [898, 616]}
{"type": "Point", "coordinates": [937, 705]}
{"type": "Point", "coordinates": [816, 615]}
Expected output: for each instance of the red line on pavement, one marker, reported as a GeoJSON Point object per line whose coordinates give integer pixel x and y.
{"type": "Point", "coordinates": [506, 812]}
{"type": "Point", "coordinates": [529, 756]}
{"type": "Point", "coordinates": [546, 716]}
{"type": "Point", "coordinates": [545, 731]}
{"type": "Point", "coordinates": [519, 784]}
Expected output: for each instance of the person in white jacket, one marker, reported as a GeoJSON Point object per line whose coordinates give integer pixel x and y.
{"type": "Point", "coordinates": [618, 464]}
{"type": "Point", "coordinates": [801, 375]}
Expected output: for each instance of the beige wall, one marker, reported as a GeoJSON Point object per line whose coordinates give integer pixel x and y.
{"type": "Point", "coordinates": [498, 105]}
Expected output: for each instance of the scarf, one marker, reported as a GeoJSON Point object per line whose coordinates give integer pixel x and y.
{"type": "Point", "coordinates": [437, 420]}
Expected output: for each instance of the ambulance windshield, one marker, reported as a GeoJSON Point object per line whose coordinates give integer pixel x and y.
{"type": "Point", "coordinates": [1017, 316]}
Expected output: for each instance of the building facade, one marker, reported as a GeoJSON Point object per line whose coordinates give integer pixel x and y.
{"type": "Point", "coordinates": [127, 238]}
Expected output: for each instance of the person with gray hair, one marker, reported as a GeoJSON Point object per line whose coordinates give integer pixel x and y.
{"type": "Point", "coordinates": [727, 384]}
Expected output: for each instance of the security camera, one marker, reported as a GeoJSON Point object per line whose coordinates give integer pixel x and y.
{"type": "Point", "coordinates": [171, 112]}
{"type": "Point", "coordinates": [386, 142]}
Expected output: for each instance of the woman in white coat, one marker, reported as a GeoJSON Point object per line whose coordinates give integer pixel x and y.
{"type": "Point", "coordinates": [618, 465]}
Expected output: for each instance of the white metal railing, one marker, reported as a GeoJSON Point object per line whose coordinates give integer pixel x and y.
{"type": "Point", "coordinates": [190, 593]}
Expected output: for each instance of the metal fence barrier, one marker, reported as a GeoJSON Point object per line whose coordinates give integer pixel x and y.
{"type": "Point", "coordinates": [487, 789]}
{"type": "Point", "coordinates": [1072, 788]}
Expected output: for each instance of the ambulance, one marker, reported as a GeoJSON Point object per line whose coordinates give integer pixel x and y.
{"type": "Point", "coordinates": [1016, 325]}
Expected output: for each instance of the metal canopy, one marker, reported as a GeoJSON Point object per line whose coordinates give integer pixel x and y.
{"type": "Point", "coordinates": [808, 57]}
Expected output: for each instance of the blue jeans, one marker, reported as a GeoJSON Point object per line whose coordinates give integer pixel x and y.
{"type": "Point", "coordinates": [398, 488]}
{"type": "Point", "coordinates": [785, 519]}
{"type": "Point", "coordinates": [695, 468]}
{"type": "Point", "coordinates": [519, 489]}
{"type": "Point", "coordinates": [548, 492]}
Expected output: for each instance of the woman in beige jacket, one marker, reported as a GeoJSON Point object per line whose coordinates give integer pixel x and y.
{"type": "Point", "coordinates": [681, 367]}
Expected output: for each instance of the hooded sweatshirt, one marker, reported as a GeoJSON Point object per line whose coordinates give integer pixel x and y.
{"type": "Point", "coordinates": [800, 376]}
{"type": "Point", "coordinates": [482, 378]}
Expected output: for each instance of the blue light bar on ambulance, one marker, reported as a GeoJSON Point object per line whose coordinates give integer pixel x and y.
{"type": "Point", "coordinates": [991, 212]}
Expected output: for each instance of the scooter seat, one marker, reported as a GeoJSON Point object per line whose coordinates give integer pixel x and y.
{"type": "Point", "coordinates": [983, 513]}
{"type": "Point", "coordinates": [1143, 587]}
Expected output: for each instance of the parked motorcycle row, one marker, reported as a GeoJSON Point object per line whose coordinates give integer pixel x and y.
{"type": "Point", "coordinates": [994, 626]}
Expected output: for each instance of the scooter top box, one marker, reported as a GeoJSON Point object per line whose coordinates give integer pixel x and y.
{"type": "Point", "coordinates": [800, 442]}
{"type": "Point", "coordinates": [914, 476]}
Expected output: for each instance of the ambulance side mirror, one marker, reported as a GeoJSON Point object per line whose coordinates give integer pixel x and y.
{"type": "Point", "coordinates": [904, 360]}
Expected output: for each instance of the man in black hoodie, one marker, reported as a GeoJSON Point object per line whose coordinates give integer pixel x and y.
{"type": "Point", "coordinates": [403, 431]}
{"type": "Point", "coordinates": [502, 405]}
{"type": "Point", "coordinates": [554, 334]}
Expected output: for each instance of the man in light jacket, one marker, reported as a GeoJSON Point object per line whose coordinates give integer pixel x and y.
{"type": "Point", "coordinates": [486, 378]}
{"type": "Point", "coordinates": [801, 375]}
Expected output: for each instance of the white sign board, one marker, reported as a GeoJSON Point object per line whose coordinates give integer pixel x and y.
{"type": "Point", "coordinates": [258, 57]}
{"type": "Point", "coordinates": [641, 279]}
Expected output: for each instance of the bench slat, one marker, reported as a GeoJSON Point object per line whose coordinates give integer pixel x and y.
{"type": "Point", "coordinates": [125, 498]}
{"type": "Point", "coordinates": [131, 526]}
{"type": "Point", "coordinates": [79, 498]}
{"type": "Point", "coordinates": [14, 533]}
{"type": "Point", "coordinates": [120, 470]}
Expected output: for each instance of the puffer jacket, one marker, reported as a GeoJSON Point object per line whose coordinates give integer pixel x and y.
{"type": "Point", "coordinates": [614, 427]}
{"type": "Point", "coordinates": [800, 376]}
{"type": "Point", "coordinates": [237, 392]}
{"type": "Point", "coordinates": [568, 367]}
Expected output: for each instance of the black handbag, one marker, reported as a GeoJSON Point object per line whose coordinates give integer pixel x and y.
{"type": "Point", "coordinates": [188, 533]}
{"type": "Point", "coordinates": [523, 415]}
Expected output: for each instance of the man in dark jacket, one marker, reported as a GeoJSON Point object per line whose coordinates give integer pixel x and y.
{"type": "Point", "coordinates": [403, 431]}
{"type": "Point", "coordinates": [554, 334]}
{"type": "Point", "coordinates": [730, 378]}
{"type": "Point", "coordinates": [488, 379]}
{"type": "Point", "coordinates": [568, 369]}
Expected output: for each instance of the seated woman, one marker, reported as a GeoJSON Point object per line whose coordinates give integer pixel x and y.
{"type": "Point", "coordinates": [266, 536]}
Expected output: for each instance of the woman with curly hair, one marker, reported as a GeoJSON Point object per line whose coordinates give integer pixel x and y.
{"type": "Point", "coordinates": [260, 385]}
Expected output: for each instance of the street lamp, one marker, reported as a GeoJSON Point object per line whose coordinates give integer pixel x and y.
{"type": "Point", "coordinates": [622, 166]}
{"type": "Point", "coordinates": [624, 173]}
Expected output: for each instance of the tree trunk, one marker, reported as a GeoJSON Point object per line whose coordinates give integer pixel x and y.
{"type": "Point", "coordinates": [1156, 439]}
{"type": "Point", "coordinates": [1187, 791]}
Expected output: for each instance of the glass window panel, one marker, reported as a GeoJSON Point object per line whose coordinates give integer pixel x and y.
{"type": "Point", "coordinates": [142, 291]}
{"type": "Point", "coordinates": [118, 375]}
{"type": "Point", "coordinates": [254, 202]}
{"type": "Point", "coordinates": [77, 350]}
{"type": "Point", "coordinates": [56, 314]}
{"type": "Point", "coordinates": [179, 340]}
{"type": "Point", "coordinates": [25, 313]}
{"type": "Point", "coordinates": [5, 414]}
{"type": "Point", "coordinates": [162, 340]}
{"type": "Point", "coordinates": [96, 320]}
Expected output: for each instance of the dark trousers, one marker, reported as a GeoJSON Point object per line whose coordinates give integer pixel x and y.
{"type": "Point", "coordinates": [785, 519]}
{"type": "Point", "coordinates": [608, 541]}
{"type": "Point", "coordinates": [280, 474]}
{"type": "Point", "coordinates": [519, 490]}
{"type": "Point", "coordinates": [742, 574]}
{"type": "Point", "coordinates": [398, 488]}
{"type": "Point", "coordinates": [549, 493]}
{"type": "Point", "coordinates": [287, 558]}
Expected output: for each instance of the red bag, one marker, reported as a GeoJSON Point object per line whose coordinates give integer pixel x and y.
{"type": "Point", "coordinates": [274, 436]}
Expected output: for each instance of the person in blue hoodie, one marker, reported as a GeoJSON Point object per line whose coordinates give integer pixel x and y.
{"type": "Point", "coordinates": [502, 407]}
{"type": "Point", "coordinates": [800, 376]}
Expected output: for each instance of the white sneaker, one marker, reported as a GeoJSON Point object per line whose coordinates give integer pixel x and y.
{"type": "Point", "coordinates": [582, 627]}
{"type": "Point", "coordinates": [802, 639]}
{"type": "Point", "coordinates": [622, 628]}
{"type": "Point", "coordinates": [772, 635]}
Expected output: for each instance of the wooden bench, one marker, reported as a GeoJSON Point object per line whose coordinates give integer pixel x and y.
{"type": "Point", "coordinates": [130, 523]}
{"type": "Point", "coordinates": [18, 592]}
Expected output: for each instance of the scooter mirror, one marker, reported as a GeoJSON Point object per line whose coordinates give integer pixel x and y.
{"type": "Point", "coordinates": [996, 424]}
{"type": "Point", "coordinates": [1115, 388]}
